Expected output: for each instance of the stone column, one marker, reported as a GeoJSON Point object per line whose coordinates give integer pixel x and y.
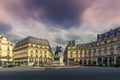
{"type": "Point", "coordinates": [82, 62]}
{"type": "Point", "coordinates": [86, 61]}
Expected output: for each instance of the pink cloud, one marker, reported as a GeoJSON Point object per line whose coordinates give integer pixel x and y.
{"type": "Point", "coordinates": [103, 13]}
{"type": "Point", "coordinates": [98, 16]}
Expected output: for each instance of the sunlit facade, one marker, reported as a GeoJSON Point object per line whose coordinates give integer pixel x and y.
{"type": "Point", "coordinates": [32, 51]}
{"type": "Point", "coordinates": [103, 52]}
{"type": "Point", "coordinates": [5, 51]}
{"type": "Point", "coordinates": [71, 55]}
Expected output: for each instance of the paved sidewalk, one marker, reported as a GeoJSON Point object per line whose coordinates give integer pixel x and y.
{"type": "Point", "coordinates": [52, 67]}
{"type": "Point", "coordinates": [17, 68]}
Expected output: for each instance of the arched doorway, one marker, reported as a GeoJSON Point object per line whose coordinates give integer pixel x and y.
{"type": "Point", "coordinates": [111, 60]}
{"type": "Point", "coordinates": [85, 62]}
{"type": "Point", "coordinates": [89, 62]}
{"type": "Point", "coordinates": [118, 61]}
{"type": "Point", "coordinates": [99, 61]}
{"type": "Point", "coordinates": [80, 62]}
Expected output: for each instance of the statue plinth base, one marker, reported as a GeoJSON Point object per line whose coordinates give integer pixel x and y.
{"type": "Point", "coordinates": [58, 61]}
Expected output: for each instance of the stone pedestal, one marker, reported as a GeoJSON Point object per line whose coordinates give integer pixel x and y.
{"type": "Point", "coordinates": [58, 61]}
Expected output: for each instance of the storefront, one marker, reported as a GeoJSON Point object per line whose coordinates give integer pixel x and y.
{"type": "Point", "coordinates": [71, 61]}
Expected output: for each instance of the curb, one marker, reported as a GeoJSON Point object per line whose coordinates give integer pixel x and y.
{"type": "Point", "coordinates": [43, 68]}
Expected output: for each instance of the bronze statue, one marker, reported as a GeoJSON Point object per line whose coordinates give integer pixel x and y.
{"type": "Point", "coordinates": [58, 49]}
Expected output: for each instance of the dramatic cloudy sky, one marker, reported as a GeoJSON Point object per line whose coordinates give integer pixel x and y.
{"type": "Point", "coordinates": [58, 20]}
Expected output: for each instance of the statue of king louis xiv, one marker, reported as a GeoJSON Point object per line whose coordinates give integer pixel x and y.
{"type": "Point", "coordinates": [58, 50]}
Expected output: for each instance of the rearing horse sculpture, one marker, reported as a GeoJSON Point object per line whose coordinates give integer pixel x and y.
{"type": "Point", "coordinates": [58, 49]}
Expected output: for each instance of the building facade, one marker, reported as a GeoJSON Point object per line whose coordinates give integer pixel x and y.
{"type": "Point", "coordinates": [5, 51]}
{"type": "Point", "coordinates": [71, 56]}
{"type": "Point", "coordinates": [32, 51]}
{"type": "Point", "coordinates": [103, 52]}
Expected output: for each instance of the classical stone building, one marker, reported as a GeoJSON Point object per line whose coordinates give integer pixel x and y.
{"type": "Point", "coordinates": [31, 51]}
{"type": "Point", "coordinates": [5, 51]}
{"type": "Point", "coordinates": [103, 52]}
{"type": "Point", "coordinates": [71, 55]}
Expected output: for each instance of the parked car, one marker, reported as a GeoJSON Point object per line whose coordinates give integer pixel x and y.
{"type": "Point", "coordinates": [4, 66]}
{"type": "Point", "coordinates": [35, 65]}
{"type": "Point", "coordinates": [11, 65]}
